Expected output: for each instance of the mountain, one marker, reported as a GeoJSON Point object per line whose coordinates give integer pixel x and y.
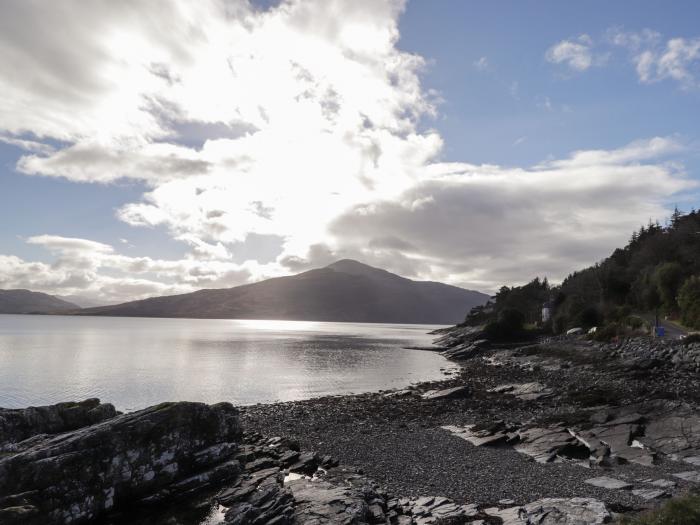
{"type": "Point", "coordinates": [27, 302]}
{"type": "Point", "coordinates": [81, 301]}
{"type": "Point", "coordinates": [343, 291]}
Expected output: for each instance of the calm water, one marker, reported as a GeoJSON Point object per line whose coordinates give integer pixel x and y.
{"type": "Point", "coordinates": [135, 363]}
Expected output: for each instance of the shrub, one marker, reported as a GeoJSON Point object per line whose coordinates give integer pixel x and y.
{"type": "Point", "coordinates": [635, 322]}
{"type": "Point", "coordinates": [678, 511]}
{"type": "Point", "coordinates": [609, 332]}
{"type": "Point", "coordinates": [692, 338]}
{"type": "Point", "coordinates": [589, 316]}
{"type": "Point", "coordinates": [508, 325]}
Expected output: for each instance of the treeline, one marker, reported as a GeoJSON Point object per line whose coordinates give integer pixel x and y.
{"type": "Point", "coordinates": [658, 271]}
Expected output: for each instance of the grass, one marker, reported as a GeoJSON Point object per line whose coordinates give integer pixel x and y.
{"type": "Point", "coordinates": [678, 511]}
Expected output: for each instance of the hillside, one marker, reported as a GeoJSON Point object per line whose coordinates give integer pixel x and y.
{"type": "Point", "coordinates": [656, 273]}
{"type": "Point", "coordinates": [343, 291]}
{"type": "Point", "coordinates": [27, 302]}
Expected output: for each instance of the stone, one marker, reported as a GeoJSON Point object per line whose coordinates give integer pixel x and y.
{"type": "Point", "coordinates": [606, 482]}
{"type": "Point", "coordinates": [650, 494]}
{"type": "Point", "coordinates": [20, 424]}
{"type": "Point", "coordinates": [664, 483]}
{"type": "Point", "coordinates": [692, 475]}
{"type": "Point", "coordinates": [525, 391]}
{"type": "Point", "coordinates": [459, 392]}
{"type": "Point", "coordinates": [549, 444]}
{"type": "Point", "coordinates": [320, 502]}
{"type": "Point", "coordinates": [149, 455]}
{"type": "Point", "coordinates": [478, 438]}
{"type": "Point", "coordinates": [307, 463]}
{"type": "Point", "coordinates": [555, 511]}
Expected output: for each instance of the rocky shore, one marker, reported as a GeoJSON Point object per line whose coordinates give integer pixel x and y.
{"type": "Point", "coordinates": [556, 431]}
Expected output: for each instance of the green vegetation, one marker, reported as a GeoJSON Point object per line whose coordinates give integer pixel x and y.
{"type": "Point", "coordinates": [657, 271]}
{"type": "Point", "coordinates": [678, 511]}
{"type": "Point", "coordinates": [508, 325]}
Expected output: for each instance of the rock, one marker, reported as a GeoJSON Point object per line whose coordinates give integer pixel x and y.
{"type": "Point", "coordinates": [692, 475]}
{"type": "Point", "coordinates": [664, 483]}
{"type": "Point", "coordinates": [459, 392]}
{"type": "Point", "coordinates": [20, 424]}
{"type": "Point", "coordinates": [650, 494]}
{"type": "Point", "coordinates": [555, 511]}
{"type": "Point", "coordinates": [478, 438]}
{"type": "Point", "coordinates": [548, 444]}
{"type": "Point", "coordinates": [467, 350]}
{"type": "Point", "coordinates": [606, 482]}
{"type": "Point", "coordinates": [574, 331]}
{"type": "Point", "coordinates": [524, 391]}
{"type": "Point", "coordinates": [676, 434]}
{"type": "Point", "coordinates": [144, 456]}
{"type": "Point", "coordinates": [307, 463]}
{"type": "Point", "coordinates": [320, 502]}
{"type": "Point", "coordinates": [436, 509]}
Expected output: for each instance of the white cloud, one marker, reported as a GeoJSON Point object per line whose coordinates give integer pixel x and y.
{"type": "Point", "coordinates": [576, 54]}
{"type": "Point", "coordinates": [291, 124]}
{"type": "Point", "coordinates": [676, 59]}
{"type": "Point", "coordinates": [488, 225]}
{"type": "Point", "coordinates": [482, 64]}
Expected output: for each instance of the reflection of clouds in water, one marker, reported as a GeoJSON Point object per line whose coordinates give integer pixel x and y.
{"type": "Point", "coordinates": [137, 362]}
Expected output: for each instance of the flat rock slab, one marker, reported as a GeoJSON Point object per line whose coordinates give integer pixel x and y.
{"type": "Point", "coordinates": [319, 502]}
{"type": "Point", "coordinates": [524, 391]}
{"type": "Point", "coordinates": [545, 444]}
{"type": "Point", "coordinates": [650, 494]}
{"type": "Point", "coordinates": [436, 509]}
{"type": "Point", "coordinates": [458, 392]}
{"type": "Point", "coordinates": [692, 475]}
{"type": "Point", "coordinates": [609, 483]}
{"type": "Point", "coordinates": [555, 511]}
{"type": "Point", "coordinates": [478, 438]}
{"type": "Point", "coordinates": [663, 483]}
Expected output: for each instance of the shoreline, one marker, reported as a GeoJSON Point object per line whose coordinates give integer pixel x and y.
{"type": "Point", "coordinates": [564, 424]}
{"type": "Point", "coordinates": [397, 437]}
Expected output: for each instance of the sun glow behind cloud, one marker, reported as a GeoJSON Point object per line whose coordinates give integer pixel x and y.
{"type": "Point", "coordinates": [302, 122]}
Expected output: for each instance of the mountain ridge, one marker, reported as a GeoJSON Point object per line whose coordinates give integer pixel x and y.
{"type": "Point", "coordinates": [22, 301]}
{"type": "Point", "coordinates": [346, 290]}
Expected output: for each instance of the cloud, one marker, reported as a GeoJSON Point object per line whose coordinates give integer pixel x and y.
{"type": "Point", "coordinates": [676, 59]}
{"type": "Point", "coordinates": [482, 64]}
{"type": "Point", "coordinates": [272, 140]}
{"type": "Point", "coordinates": [487, 225]}
{"type": "Point", "coordinates": [576, 53]}
{"type": "Point", "coordinates": [97, 271]}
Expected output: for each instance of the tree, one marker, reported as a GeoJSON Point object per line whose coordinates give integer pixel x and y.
{"type": "Point", "coordinates": [689, 302]}
{"type": "Point", "coordinates": [668, 278]}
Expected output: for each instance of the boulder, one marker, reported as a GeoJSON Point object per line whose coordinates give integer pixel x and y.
{"type": "Point", "coordinates": [606, 482]}
{"type": "Point", "coordinates": [458, 392]}
{"type": "Point", "coordinates": [555, 511]}
{"type": "Point", "coordinates": [22, 423]}
{"type": "Point", "coordinates": [142, 457]}
{"type": "Point", "coordinates": [321, 502]}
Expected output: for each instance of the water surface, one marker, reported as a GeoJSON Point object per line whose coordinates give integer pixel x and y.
{"type": "Point", "coordinates": [137, 362]}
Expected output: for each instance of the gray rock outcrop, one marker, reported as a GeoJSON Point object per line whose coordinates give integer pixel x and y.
{"type": "Point", "coordinates": [22, 423]}
{"type": "Point", "coordinates": [142, 457]}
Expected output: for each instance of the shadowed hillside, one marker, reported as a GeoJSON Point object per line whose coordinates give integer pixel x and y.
{"type": "Point", "coordinates": [26, 302]}
{"type": "Point", "coordinates": [343, 291]}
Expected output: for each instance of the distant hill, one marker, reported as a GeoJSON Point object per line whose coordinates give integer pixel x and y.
{"type": "Point", "coordinates": [346, 290]}
{"type": "Point", "coordinates": [82, 301]}
{"type": "Point", "coordinates": [28, 302]}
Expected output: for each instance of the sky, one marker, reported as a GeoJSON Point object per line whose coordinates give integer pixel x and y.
{"type": "Point", "coordinates": [159, 147]}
